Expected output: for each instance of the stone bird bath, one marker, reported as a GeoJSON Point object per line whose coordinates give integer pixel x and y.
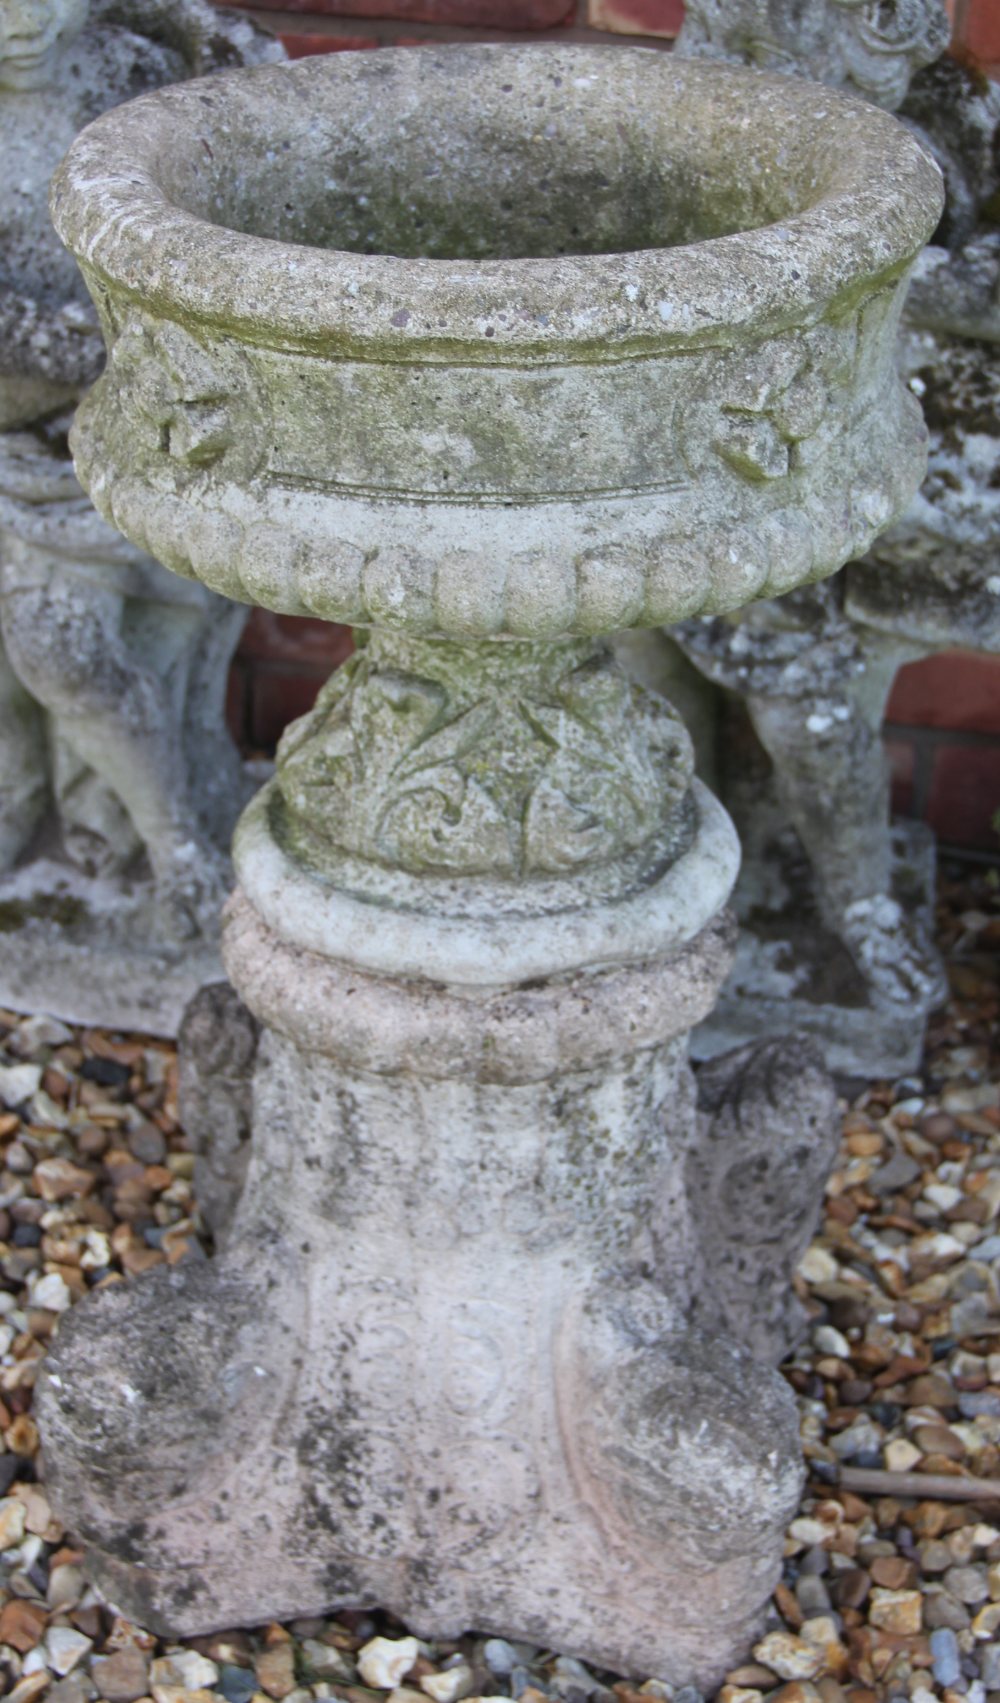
{"type": "Point", "coordinates": [488, 351]}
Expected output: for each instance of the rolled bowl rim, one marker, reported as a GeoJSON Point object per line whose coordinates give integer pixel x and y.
{"type": "Point", "coordinates": [880, 205]}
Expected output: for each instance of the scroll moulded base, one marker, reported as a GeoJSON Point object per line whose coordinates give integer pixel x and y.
{"type": "Point", "coordinates": [466, 1332]}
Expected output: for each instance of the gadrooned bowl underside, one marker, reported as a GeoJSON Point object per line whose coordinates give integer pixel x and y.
{"type": "Point", "coordinates": [499, 340]}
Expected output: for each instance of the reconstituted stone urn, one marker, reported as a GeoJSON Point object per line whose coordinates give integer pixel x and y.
{"type": "Point", "coordinates": [488, 351]}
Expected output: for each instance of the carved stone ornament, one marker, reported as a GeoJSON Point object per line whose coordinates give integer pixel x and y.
{"type": "Point", "coordinates": [494, 351]}
{"type": "Point", "coordinates": [119, 785]}
{"type": "Point", "coordinates": [837, 901]}
{"type": "Point", "coordinates": [866, 47]}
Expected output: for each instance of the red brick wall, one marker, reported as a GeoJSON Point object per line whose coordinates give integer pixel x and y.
{"type": "Point", "coordinates": [316, 26]}
{"type": "Point", "coordinates": [943, 725]}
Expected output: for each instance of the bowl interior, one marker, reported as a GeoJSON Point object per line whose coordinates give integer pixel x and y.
{"type": "Point", "coordinates": [481, 156]}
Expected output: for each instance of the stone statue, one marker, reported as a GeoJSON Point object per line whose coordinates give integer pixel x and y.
{"type": "Point", "coordinates": [866, 47]}
{"type": "Point", "coordinates": [118, 780]}
{"type": "Point", "coordinates": [417, 341]}
{"type": "Point", "coordinates": [838, 904]}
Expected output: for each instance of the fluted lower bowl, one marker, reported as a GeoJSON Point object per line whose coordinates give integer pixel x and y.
{"type": "Point", "coordinates": [499, 340]}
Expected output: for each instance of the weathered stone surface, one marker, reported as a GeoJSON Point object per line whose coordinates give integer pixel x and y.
{"type": "Point", "coordinates": [530, 761]}
{"type": "Point", "coordinates": [392, 1426]}
{"type": "Point", "coordinates": [836, 909]}
{"type": "Point", "coordinates": [464, 1349]}
{"type": "Point", "coordinates": [838, 905]}
{"type": "Point", "coordinates": [755, 1182]}
{"type": "Point", "coordinates": [217, 1044]}
{"type": "Point", "coordinates": [870, 51]}
{"type": "Point", "coordinates": [120, 785]}
{"type": "Point", "coordinates": [755, 431]}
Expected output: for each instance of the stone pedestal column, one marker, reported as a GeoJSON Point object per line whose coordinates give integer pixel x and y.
{"type": "Point", "coordinates": [491, 1341]}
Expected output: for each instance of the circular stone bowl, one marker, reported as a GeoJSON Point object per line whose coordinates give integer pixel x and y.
{"type": "Point", "coordinates": [499, 341]}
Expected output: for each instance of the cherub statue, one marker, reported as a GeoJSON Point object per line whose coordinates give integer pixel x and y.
{"type": "Point", "coordinates": [813, 671]}
{"type": "Point", "coordinates": [112, 670]}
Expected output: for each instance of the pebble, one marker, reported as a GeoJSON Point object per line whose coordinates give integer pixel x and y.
{"type": "Point", "coordinates": [894, 1572]}
{"type": "Point", "coordinates": [945, 1655]}
{"type": "Point", "coordinates": [967, 1584]}
{"type": "Point", "coordinates": [896, 1174]}
{"type": "Point", "coordinates": [896, 1611]}
{"type": "Point", "coordinates": [384, 1662]}
{"type": "Point", "coordinates": [989, 1670]}
{"type": "Point", "coordinates": [237, 1684]}
{"type": "Point", "coordinates": [66, 1585]}
{"type": "Point", "coordinates": [22, 1624]}
{"type": "Point", "coordinates": [449, 1685]}
{"type": "Point", "coordinates": [901, 1455]}
{"type": "Point", "coordinates": [59, 1179]}
{"type": "Point", "coordinates": [986, 1623]}
{"type": "Point", "coordinates": [11, 1522]}
{"type": "Point", "coordinates": [940, 1609]}
{"type": "Point", "coordinates": [187, 1668]}
{"type": "Point", "coordinates": [123, 1677]}
{"type": "Point", "coordinates": [500, 1657]}
{"type": "Point", "coordinates": [751, 1674]}
{"type": "Point", "coordinates": [181, 1694]}
{"type": "Point", "coordinates": [18, 1082]}
{"type": "Point", "coordinates": [326, 1662]}
{"type": "Point", "coordinates": [275, 1669]}
{"type": "Point", "coordinates": [971, 1403]}
{"type": "Point", "coordinates": [147, 1144]}
{"type": "Point", "coordinates": [813, 1596]}
{"type": "Point", "coordinates": [830, 1341]}
{"type": "Point", "coordinates": [818, 1265]}
{"type": "Point", "coordinates": [51, 1293]}
{"type": "Point", "coordinates": [34, 1033]}
{"type": "Point", "coordinates": [28, 1689]}
{"type": "Point", "coordinates": [788, 1656]}
{"type": "Point", "coordinates": [77, 1687]}
{"type": "Point", "coordinates": [64, 1647]}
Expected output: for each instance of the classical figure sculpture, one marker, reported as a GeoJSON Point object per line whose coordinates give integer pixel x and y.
{"type": "Point", "coordinates": [494, 339]}
{"type": "Point", "coordinates": [838, 905]}
{"type": "Point", "coordinates": [113, 748]}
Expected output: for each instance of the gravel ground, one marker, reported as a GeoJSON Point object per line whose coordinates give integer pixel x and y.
{"type": "Point", "coordinates": [891, 1588]}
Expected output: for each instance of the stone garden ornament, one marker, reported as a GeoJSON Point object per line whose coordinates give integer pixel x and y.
{"type": "Point", "coordinates": [838, 904]}
{"type": "Point", "coordinates": [491, 342]}
{"type": "Point", "coordinates": [119, 785]}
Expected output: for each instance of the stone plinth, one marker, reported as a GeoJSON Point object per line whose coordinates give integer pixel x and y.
{"type": "Point", "coordinates": [493, 1335]}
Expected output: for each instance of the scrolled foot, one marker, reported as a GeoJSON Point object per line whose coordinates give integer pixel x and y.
{"type": "Point", "coordinates": [769, 1135]}
{"type": "Point", "coordinates": [693, 1443]}
{"type": "Point", "coordinates": [152, 1391]}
